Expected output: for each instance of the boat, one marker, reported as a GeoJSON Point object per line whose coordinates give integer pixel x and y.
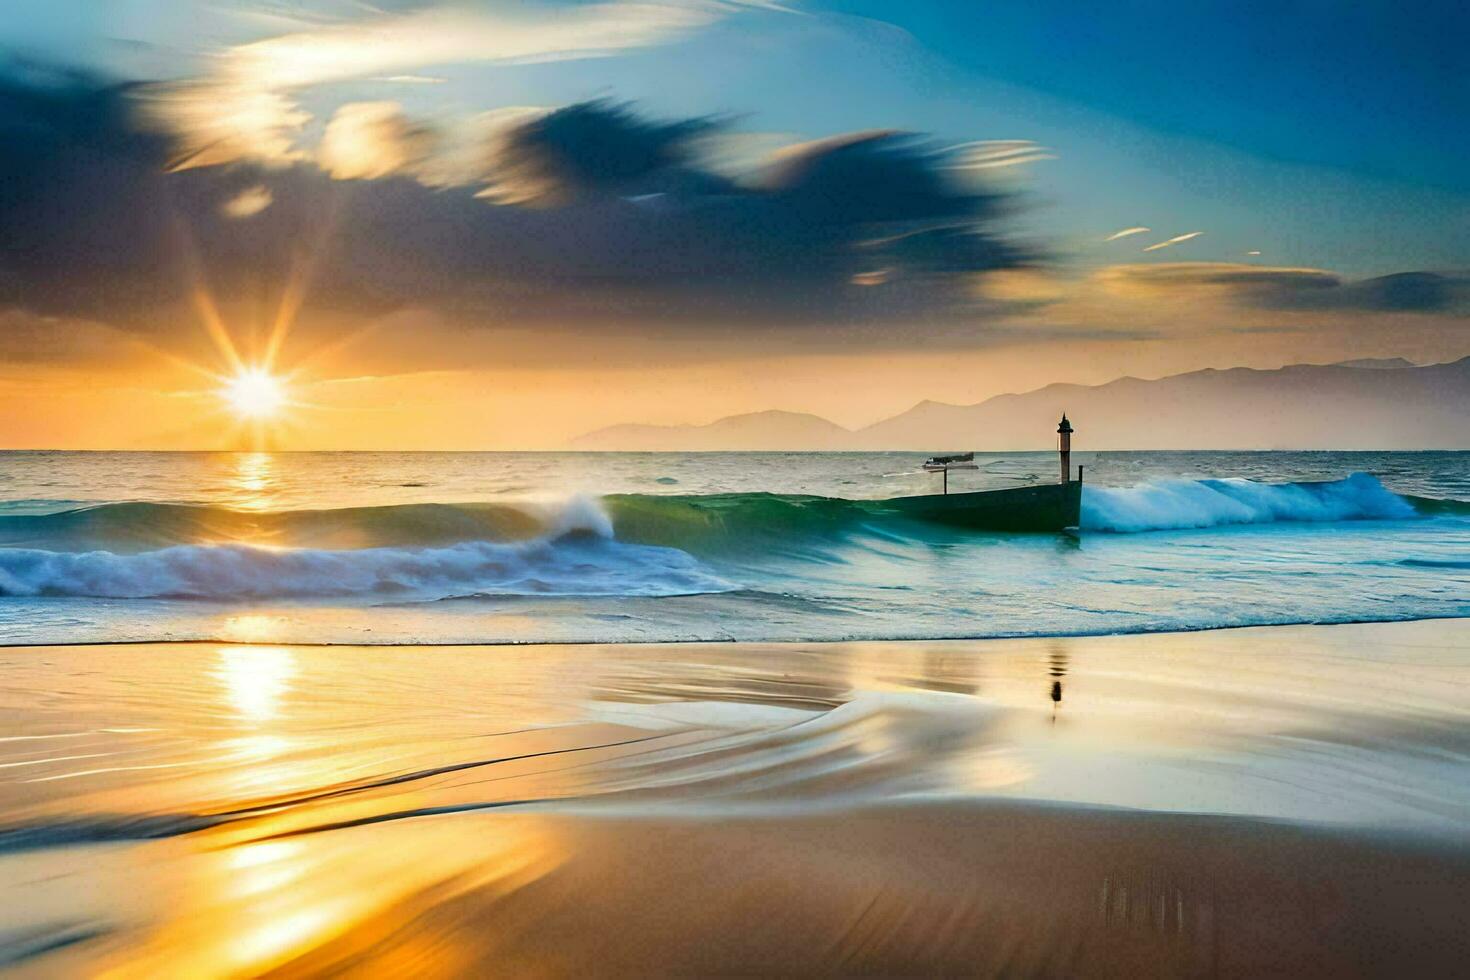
{"type": "Point", "coordinates": [1041, 507]}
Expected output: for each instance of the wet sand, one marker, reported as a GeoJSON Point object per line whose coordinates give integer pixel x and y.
{"type": "Point", "coordinates": [1260, 802]}
{"type": "Point", "coordinates": [973, 889]}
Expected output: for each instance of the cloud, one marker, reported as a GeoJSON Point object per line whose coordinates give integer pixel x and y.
{"type": "Point", "coordinates": [997, 154]}
{"type": "Point", "coordinates": [248, 203]}
{"type": "Point", "coordinates": [629, 236]}
{"type": "Point", "coordinates": [246, 107]}
{"type": "Point", "coordinates": [588, 148]}
{"type": "Point", "coordinates": [84, 205]}
{"type": "Point", "coordinates": [1399, 292]}
{"type": "Point", "coordinates": [631, 230]}
{"type": "Point", "coordinates": [1305, 310]}
{"type": "Point", "coordinates": [1173, 241]}
{"type": "Point", "coordinates": [1165, 276]}
{"type": "Point", "coordinates": [875, 176]}
{"type": "Point", "coordinates": [953, 250]}
{"type": "Point", "coordinates": [1281, 288]}
{"type": "Point", "coordinates": [1137, 230]}
{"type": "Point", "coordinates": [364, 140]}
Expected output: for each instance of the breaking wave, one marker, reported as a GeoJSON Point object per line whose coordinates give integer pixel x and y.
{"type": "Point", "coordinates": [1178, 504]}
{"type": "Point", "coordinates": [577, 556]}
{"type": "Point", "coordinates": [620, 545]}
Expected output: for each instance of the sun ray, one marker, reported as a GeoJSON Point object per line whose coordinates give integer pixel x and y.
{"type": "Point", "coordinates": [214, 324]}
{"type": "Point", "coordinates": [300, 279]}
{"type": "Point", "coordinates": [199, 294]}
{"type": "Point", "coordinates": [292, 296]}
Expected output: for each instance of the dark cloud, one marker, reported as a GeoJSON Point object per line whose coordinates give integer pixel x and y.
{"type": "Point", "coordinates": [948, 250]}
{"type": "Point", "coordinates": [598, 147]}
{"type": "Point", "coordinates": [82, 197]}
{"type": "Point", "coordinates": [628, 228]}
{"type": "Point", "coordinates": [871, 177]}
{"type": "Point", "coordinates": [1424, 292]}
{"type": "Point", "coordinates": [1300, 289]}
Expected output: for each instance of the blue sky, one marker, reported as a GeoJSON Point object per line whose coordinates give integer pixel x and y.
{"type": "Point", "coordinates": [1375, 89]}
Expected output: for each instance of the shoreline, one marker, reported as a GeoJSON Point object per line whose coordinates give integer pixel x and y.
{"type": "Point", "coordinates": [818, 641]}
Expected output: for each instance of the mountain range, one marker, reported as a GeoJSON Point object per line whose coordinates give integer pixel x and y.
{"type": "Point", "coordinates": [1367, 404]}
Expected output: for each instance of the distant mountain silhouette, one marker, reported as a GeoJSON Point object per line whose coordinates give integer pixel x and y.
{"type": "Point", "coordinates": [1382, 363]}
{"type": "Point", "coordinates": [1378, 404]}
{"type": "Point", "coordinates": [770, 430]}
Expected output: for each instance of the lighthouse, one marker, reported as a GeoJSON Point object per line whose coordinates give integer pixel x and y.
{"type": "Point", "coordinates": [1064, 445]}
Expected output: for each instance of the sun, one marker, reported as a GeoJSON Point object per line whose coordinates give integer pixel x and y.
{"type": "Point", "coordinates": [254, 393]}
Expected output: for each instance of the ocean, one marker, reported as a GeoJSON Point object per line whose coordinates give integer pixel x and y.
{"type": "Point", "coordinates": [448, 548]}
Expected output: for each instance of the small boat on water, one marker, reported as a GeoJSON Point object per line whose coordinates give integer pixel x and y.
{"type": "Point", "coordinates": [1042, 507]}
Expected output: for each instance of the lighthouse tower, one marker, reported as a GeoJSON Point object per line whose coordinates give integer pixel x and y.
{"type": "Point", "coordinates": [1064, 445]}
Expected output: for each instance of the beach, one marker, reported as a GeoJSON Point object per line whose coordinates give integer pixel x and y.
{"type": "Point", "coordinates": [661, 488]}
{"type": "Point", "coordinates": [1244, 802]}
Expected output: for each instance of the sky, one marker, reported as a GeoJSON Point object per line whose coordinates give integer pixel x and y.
{"type": "Point", "coordinates": [494, 225]}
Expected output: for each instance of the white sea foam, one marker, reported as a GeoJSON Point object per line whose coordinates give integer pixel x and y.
{"type": "Point", "coordinates": [1173, 504]}
{"type": "Point", "coordinates": [581, 515]}
{"type": "Point", "coordinates": [584, 566]}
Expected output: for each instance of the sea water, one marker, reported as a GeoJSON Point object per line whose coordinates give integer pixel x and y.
{"type": "Point", "coordinates": [431, 548]}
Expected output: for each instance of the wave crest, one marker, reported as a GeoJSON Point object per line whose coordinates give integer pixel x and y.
{"type": "Point", "coordinates": [1178, 504]}
{"type": "Point", "coordinates": [579, 558]}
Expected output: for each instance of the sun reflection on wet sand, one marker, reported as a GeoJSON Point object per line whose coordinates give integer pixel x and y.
{"type": "Point", "coordinates": [314, 904]}
{"type": "Point", "coordinates": [781, 808]}
{"type": "Point", "coordinates": [256, 679]}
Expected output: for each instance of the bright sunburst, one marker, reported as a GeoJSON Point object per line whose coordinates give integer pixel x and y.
{"type": "Point", "coordinates": [254, 393]}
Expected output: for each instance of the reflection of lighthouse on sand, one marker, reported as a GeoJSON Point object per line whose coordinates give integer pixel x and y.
{"type": "Point", "coordinates": [1064, 432]}
{"type": "Point", "coordinates": [1057, 668]}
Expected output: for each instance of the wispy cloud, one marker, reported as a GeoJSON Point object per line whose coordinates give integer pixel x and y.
{"type": "Point", "coordinates": [1137, 230]}
{"type": "Point", "coordinates": [1286, 288]}
{"type": "Point", "coordinates": [1173, 241]}
{"type": "Point", "coordinates": [994, 154]}
{"type": "Point", "coordinates": [246, 107]}
{"type": "Point", "coordinates": [1182, 276]}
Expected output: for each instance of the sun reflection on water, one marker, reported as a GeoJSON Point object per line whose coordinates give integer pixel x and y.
{"type": "Point", "coordinates": [253, 479]}
{"type": "Point", "coordinates": [251, 628]}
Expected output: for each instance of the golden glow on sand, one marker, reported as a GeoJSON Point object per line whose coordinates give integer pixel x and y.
{"type": "Point", "coordinates": [254, 393]}
{"type": "Point", "coordinates": [256, 679]}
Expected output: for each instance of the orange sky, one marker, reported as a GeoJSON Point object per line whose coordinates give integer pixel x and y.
{"type": "Point", "coordinates": [348, 400]}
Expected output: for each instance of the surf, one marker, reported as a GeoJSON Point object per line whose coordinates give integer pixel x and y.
{"type": "Point", "coordinates": [577, 556]}
{"type": "Point", "coordinates": [1182, 504]}
{"type": "Point", "coordinates": [636, 545]}
{"type": "Point", "coordinates": [709, 521]}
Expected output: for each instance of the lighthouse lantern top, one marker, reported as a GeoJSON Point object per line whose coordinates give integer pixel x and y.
{"type": "Point", "coordinates": [1065, 427]}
